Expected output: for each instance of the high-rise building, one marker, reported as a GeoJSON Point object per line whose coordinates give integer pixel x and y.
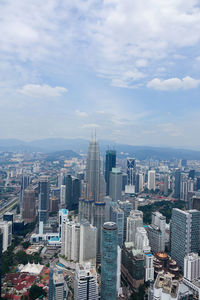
{"type": "Point", "coordinates": [85, 283]}
{"type": "Point", "coordinates": [93, 171]}
{"type": "Point", "coordinates": [68, 192]}
{"type": "Point", "coordinates": [117, 216]}
{"type": "Point", "coordinates": [88, 243]}
{"type": "Point", "coordinates": [149, 268]}
{"type": "Point", "coordinates": [29, 205]}
{"type": "Point", "coordinates": [57, 285]}
{"type": "Point", "coordinates": [73, 192]}
{"type": "Point", "coordinates": [86, 210]}
{"type": "Point", "coordinates": [25, 181]}
{"type": "Point", "coordinates": [131, 168]}
{"type": "Point", "coordinates": [98, 221]}
{"type": "Point", "coordinates": [151, 180]}
{"type": "Point", "coordinates": [6, 229]}
{"type": "Point", "coordinates": [192, 266]}
{"type": "Point", "coordinates": [156, 232]}
{"type": "Point", "coordinates": [1, 249]}
{"type": "Point", "coordinates": [177, 184]}
{"type": "Point", "coordinates": [63, 218]}
{"type": "Point", "coordinates": [71, 240]}
{"type": "Point", "coordinates": [109, 261]}
{"type": "Point", "coordinates": [126, 206]}
{"type": "Point", "coordinates": [115, 187]}
{"type": "Point", "coordinates": [62, 195]}
{"type": "Point", "coordinates": [142, 241]}
{"type": "Point", "coordinates": [109, 164]}
{"type": "Point", "coordinates": [134, 221]}
{"type": "Point", "coordinates": [185, 227]}
{"type": "Point", "coordinates": [43, 199]}
{"type": "Point", "coordinates": [166, 185]}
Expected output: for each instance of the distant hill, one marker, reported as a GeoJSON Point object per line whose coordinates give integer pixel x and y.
{"type": "Point", "coordinates": [81, 146]}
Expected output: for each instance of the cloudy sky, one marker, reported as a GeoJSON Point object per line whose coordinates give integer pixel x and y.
{"type": "Point", "coordinates": [129, 69]}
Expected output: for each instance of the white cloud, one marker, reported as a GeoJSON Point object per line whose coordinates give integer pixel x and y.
{"type": "Point", "coordinates": [173, 84]}
{"type": "Point", "coordinates": [92, 125]}
{"type": "Point", "coordinates": [81, 113]}
{"type": "Point", "coordinates": [171, 129]}
{"type": "Point", "coordinates": [42, 91]}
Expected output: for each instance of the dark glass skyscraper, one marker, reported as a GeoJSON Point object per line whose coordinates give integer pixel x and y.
{"type": "Point", "coordinates": [131, 168]}
{"type": "Point", "coordinates": [109, 261]}
{"type": "Point", "coordinates": [109, 164]}
{"type": "Point", "coordinates": [43, 199]}
{"type": "Point", "coordinates": [177, 185]}
{"type": "Point", "coordinates": [73, 192]}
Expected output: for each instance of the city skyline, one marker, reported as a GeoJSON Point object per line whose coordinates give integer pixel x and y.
{"type": "Point", "coordinates": [127, 69]}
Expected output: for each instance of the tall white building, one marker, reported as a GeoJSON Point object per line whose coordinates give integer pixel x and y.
{"type": "Point", "coordinates": [142, 241]}
{"type": "Point", "coordinates": [192, 266]}
{"type": "Point", "coordinates": [115, 186]}
{"type": "Point", "coordinates": [88, 243]}
{"type": "Point", "coordinates": [62, 194]}
{"type": "Point", "coordinates": [156, 232]}
{"type": "Point", "coordinates": [134, 220]}
{"type": "Point", "coordinates": [63, 218]}
{"type": "Point", "coordinates": [151, 180]}
{"type": "Point", "coordinates": [149, 268]}
{"type": "Point", "coordinates": [6, 228]}
{"type": "Point", "coordinates": [71, 241]}
{"type": "Point", "coordinates": [85, 283]}
{"type": "Point", "coordinates": [57, 285]}
{"type": "Point", "coordinates": [141, 182]}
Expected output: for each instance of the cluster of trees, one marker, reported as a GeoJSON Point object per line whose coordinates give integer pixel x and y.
{"type": "Point", "coordinates": [164, 207]}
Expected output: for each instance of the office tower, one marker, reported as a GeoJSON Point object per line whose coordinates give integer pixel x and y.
{"type": "Point", "coordinates": [25, 181]}
{"type": "Point", "coordinates": [109, 164]}
{"type": "Point", "coordinates": [73, 192]}
{"type": "Point", "coordinates": [43, 199]}
{"type": "Point", "coordinates": [71, 240]}
{"type": "Point", "coordinates": [134, 221]}
{"type": "Point", "coordinates": [93, 171]}
{"type": "Point", "coordinates": [184, 189]}
{"type": "Point", "coordinates": [119, 263]}
{"type": "Point", "coordinates": [124, 181]}
{"type": "Point", "coordinates": [68, 192]}
{"type": "Point", "coordinates": [166, 185]}
{"type": "Point", "coordinates": [126, 206]}
{"type": "Point", "coordinates": [141, 182]}
{"type": "Point", "coordinates": [192, 266]}
{"type": "Point", "coordinates": [63, 218]}
{"type": "Point", "coordinates": [115, 188]}
{"type": "Point", "coordinates": [88, 243]}
{"type": "Point", "coordinates": [142, 241]}
{"type": "Point", "coordinates": [53, 204]}
{"type": "Point", "coordinates": [108, 201]}
{"type": "Point", "coordinates": [98, 221]}
{"type": "Point", "coordinates": [85, 210]}
{"type": "Point", "coordinates": [6, 229]}
{"type": "Point", "coordinates": [151, 180]}
{"type": "Point", "coordinates": [177, 184]}
{"type": "Point", "coordinates": [156, 232]}
{"type": "Point", "coordinates": [109, 261]}
{"type": "Point", "coordinates": [29, 203]}
{"type": "Point", "coordinates": [1, 249]}
{"type": "Point", "coordinates": [191, 174]}
{"type": "Point", "coordinates": [117, 216]}
{"type": "Point", "coordinates": [132, 266]}
{"type": "Point", "coordinates": [57, 285]}
{"type": "Point", "coordinates": [137, 183]}
{"type": "Point", "coordinates": [62, 195]}
{"type": "Point", "coordinates": [149, 268]}
{"type": "Point", "coordinates": [185, 226]}
{"type": "Point", "coordinates": [131, 168]}
{"type": "Point", "coordinates": [198, 183]}
{"type": "Point", "coordinates": [85, 283]}
{"type": "Point", "coordinates": [60, 180]}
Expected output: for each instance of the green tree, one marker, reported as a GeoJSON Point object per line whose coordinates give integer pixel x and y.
{"type": "Point", "coordinates": [36, 292]}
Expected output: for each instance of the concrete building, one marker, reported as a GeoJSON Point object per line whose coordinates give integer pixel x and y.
{"type": "Point", "coordinates": [29, 205]}
{"type": "Point", "coordinates": [134, 220]}
{"type": "Point", "coordinates": [151, 180]}
{"type": "Point", "coordinates": [117, 216]}
{"type": "Point", "coordinates": [57, 285]}
{"type": "Point", "coordinates": [192, 266]}
{"type": "Point", "coordinates": [115, 185]}
{"type": "Point", "coordinates": [141, 240]}
{"type": "Point", "coordinates": [71, 240]}
{"type": "Point", "coordinates": [156, 232]}
{"type": "Point", "coordinates": [149, 268]}
{"type": "Point", "coordinates": [126, 206]}
{"type": "Point", "coordinates": [6, 229]}
{"type": "Point", "coordinates": [85, 283]}
{"type": "Point", "coordinates": [98, 221]}
{"type": "Point", "coordinates": [62, 194]}
{"type": "Point", "coordinates": [63, 218]}
{"type": "Point", "coordinates": [88, 243]}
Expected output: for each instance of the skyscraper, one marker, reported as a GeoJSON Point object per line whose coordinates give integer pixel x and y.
{"type": "Point", "coordinates": [109, 164]}
{"type": "Point", "coordinates": [134, 221]}
{"type": "Point", "coordinates": [115, 185]}
{"type": "Point", "coordinates": [85, 283]}
{"type": "Point", "coordinates": [151, 180]}
{"type": "Point", "coordinates": [1, 249]}
{"type": "Point", "coordinates": [68, 192]}
{"type": "Point", "coordinates": [29, 212]}
{"type": "Point", "coordinates": [57, 285]}
{"type": "Point", "coordinates": [25, 181]}
{"type": "Point", "coordinates": [185, 227]}
{"type": "Point", "coordinates": [73, 191]}
{"type": "Point", "coordinates": [93, 171]}
{"type": "Point", "coordinates": [88, 238]}
{"type": "Point", "coordinates": [43, 199]}
{"type": "Point", "coordinates": [99, 210]}
{"type": "Point", "coordinates": [117, 216]}
{"type": "Point", "coordinates": [156, 232]}
{"type": "Point", "coordinates": [131, 168]}
{"type": "Point", "coordinates": [109, 261]}
{"type": "Point", "coordinates": [177, 184]}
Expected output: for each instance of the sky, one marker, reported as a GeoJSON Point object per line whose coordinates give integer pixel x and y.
{"type": "Point", "coordinates": [128, 69]}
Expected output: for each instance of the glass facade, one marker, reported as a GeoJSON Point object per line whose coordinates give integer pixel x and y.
{"type": "Point", "coordinates": [109, 261]}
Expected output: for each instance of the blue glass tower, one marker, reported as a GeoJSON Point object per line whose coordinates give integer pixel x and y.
{"type": "Point", "coordinates": [109, 164]}
{"type": "Point", "coordinates": [109, 261]}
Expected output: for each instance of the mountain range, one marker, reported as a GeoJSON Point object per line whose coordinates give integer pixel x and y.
{"type": "Point", "coordinates": [81, 146]}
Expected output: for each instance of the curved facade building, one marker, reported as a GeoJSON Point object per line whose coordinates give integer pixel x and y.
{"type": "Point", "coordinates": [109, 261]}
